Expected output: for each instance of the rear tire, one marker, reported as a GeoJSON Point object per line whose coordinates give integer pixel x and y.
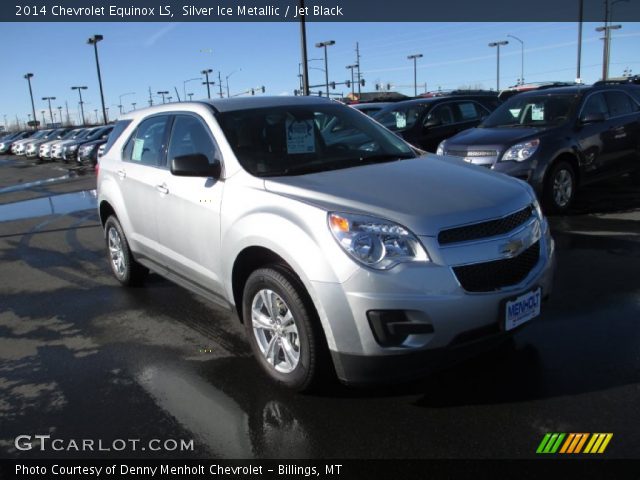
{"type": "Point", "coordinates": [560, 188]}
{"type": "Point", "coordinates": [125, 268]}
{"type": "Point", "coordinates": [283, 329]}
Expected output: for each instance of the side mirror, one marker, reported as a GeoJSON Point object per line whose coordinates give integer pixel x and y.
{"type": "Point", "coordinates": [195, 165]}
{"type": "Point", "coordinates": [432, 122]}
{"type": "Point", "coordinates": [592, 118]}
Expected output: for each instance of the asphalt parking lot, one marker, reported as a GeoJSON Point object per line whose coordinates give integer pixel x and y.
{"type": "Point", "coordinates": [82, 358]}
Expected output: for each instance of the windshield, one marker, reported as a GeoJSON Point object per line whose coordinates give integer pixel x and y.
{"type": "Point", "coordinates": [71, 134]}
{"type": "Point", "coordinates": [532, 111]}
{"type": "Point", "coordinates": [40, 134]}
{"type": "Point", "coordinates": [400, 117]}
{"type": "Point", "coordinates": [98, 133]}
{"type": "Point", "coordinates": [294, 140]}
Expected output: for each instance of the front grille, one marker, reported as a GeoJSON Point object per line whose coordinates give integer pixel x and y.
{"type": "Point", "coordinates": [491, 228]}
{"type": "Point", "coordinates": [491, 276]}
{"type": "Point", "coordinates": [472, 153]}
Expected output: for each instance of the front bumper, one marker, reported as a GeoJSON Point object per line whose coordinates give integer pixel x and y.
{"type": "Point", "coordinates": [427, 294]}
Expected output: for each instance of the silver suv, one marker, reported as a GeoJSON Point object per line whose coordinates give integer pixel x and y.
{"type": "Point", "coordinates": [341, 248]}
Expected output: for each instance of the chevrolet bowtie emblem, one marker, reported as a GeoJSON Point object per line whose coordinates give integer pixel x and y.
{"type": "Point", "coordinates": [512, 248]}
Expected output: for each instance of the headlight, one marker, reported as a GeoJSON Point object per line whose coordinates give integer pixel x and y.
{"type": "Point", "coordinates": [521, 151]}
{"type": "Point", "coordinates": [89, 148]}
{"type": "Point", "coordinates": [72, 148]}
{"type": "Point", "coordinates": [440, 150]}
{"type": "Point", "coordinates": [374, 242]}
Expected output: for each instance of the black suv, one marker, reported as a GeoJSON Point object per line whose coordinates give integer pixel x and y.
{"type": "Point", "coordinates": [559, 138]}
{"type": "Point", "coordinates": [425, 122]}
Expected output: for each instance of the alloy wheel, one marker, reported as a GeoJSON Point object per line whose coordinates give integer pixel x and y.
{"type": "Point", "coordinates": [275, 330]}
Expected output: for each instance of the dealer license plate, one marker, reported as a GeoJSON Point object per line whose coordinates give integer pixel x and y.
{"type": "Point", "coordinates": [522, 309]}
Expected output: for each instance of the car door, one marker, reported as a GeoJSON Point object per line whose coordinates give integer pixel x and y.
{"type": "Point", "coordinates": [438, 125]}
{"type": "Point", "coordinates": [595, 138]}
{"type": "Point", "coordinates": [139, 174]}
{"type": "Point", "coordinates": [625, 129]}
{"type": "Point", "coordinates": [189, 220]}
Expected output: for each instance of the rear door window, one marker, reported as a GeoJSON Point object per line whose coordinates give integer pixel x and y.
{"type": "Point", "coordinates": [620, 104]}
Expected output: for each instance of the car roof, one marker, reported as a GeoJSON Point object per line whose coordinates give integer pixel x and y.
{"type": "Point", "coordinates": [444, 98]}
{"type": "Point", "coordinates": [576, 89]}
{"type": "Point", "coordinates": [232, 104]}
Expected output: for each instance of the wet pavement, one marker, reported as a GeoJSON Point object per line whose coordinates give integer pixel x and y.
{"type": "Point", "coordinates": [82, 358]}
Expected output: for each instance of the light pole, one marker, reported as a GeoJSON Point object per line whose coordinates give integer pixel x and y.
{"type": "Point", "coordinates": [579, 61]}
{"type": "Point", "coordinates": [169, 98]}
{"type": "Point", "coordinates": [226, 79]}
{"type": "Point", "coordinates": [44, 119]}
{"type": "Point", "coordinates": [606, 51]}
{"type": "Point", "coordinates": [415, 72]}
{"type": "Point", "coordinates": [190, 96]}
{"type": "Point", "coordinates": [498, 45]}
{"type": "Point", "coordinates": [133, 104]}
{"type": "Point", "coordinates": [60, 115]}
{"type": "Point", "coordinates": [353, 87]}
{"type": "Point", "coordinates": [120, 98]}
{"type": "Point", "coordinates": [50, 111]}
{"type": "Point", "coordinates": [94, 41]}
{"type": "Point", "coordinates": [184, 85]}
{"type": "Point", "coordinates": [206, 73]}
{"type": "Point", "coordinates": [324, 45]}
{"type": "Point", "coordinates": [303, 50]}
{"type": "Point", "coordinates": [521, 82]}
{"type": "Point", "coordinates": [163, 93]}
{"type": "Point", "coordinates": [29, 76]}
{"type": "Point", "coordinates": [96, 112]}
{"type": "Point", "coordinates": [81, 102]}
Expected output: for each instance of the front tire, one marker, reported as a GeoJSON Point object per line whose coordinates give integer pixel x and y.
{"type": "Point", "coordinates": [125, 268]}
{"type": "Point", "coordinates": [283, 328]}
{"type": "Point", "coordinates": [560, 188]}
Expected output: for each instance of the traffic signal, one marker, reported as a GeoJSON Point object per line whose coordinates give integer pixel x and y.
{"type": "Point", "coordinates": [362, 82]}
{"type": "Point", "coordinates": [348, 83]}
{"type": "Point", "coordinates": [332, 85]}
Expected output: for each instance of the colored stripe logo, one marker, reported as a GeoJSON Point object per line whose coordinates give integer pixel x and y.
{"type": "Point", "coordinates": [574, 443]}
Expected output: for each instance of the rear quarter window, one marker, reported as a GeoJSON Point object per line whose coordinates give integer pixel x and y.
{"type": "Point", "coordinates": [115, 133]}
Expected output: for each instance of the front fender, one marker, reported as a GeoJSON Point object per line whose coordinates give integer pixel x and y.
{"type": "Point", "coordinates": [300, 238]}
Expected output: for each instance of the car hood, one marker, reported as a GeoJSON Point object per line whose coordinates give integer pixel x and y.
{"type": "Point", "coordinates": [94, 142]}
{"type": "Point", "coordinates": [492, 136]}
{"type": "Point", "coordinates": [425, 194]}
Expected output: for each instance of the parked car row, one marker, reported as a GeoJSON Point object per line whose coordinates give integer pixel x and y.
{"type": "Point", "coordinates": [77, 145]}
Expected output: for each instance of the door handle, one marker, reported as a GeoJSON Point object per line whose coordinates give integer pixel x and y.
{"type": "Point", "coordinates": [162, 188]}
{"type": "Point", "coordinates": [121, 173]}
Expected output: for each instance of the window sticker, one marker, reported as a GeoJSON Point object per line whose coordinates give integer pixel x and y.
{"type": "Point", "coordinates": [300, 136]}
{"type": "Point", "coordinates": [401, 120]}
{"type": "Point", "coordinates": [537, 113]}
{"type": "Point", "coordinates": [138, 147]}
{"type": "Point", "coordinates": [515, 112]}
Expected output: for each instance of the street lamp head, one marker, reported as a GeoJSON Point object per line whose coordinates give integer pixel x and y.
{"type": "Point", "coordinates": [95, 39]}
{"type": "Point", "coordinates": [28, 75]}
{"type": "Point", "coordinates": [417, 55]}
{"type": "Point", "coordinates": [328, 43]}
{"type": "Point", "coordinates": [500, 43]}
{"type": "Point", "coordinates": [208, 70]}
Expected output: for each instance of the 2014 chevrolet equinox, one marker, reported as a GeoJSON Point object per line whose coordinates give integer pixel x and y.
{"type": "Point", "coordinates": [335, 241]}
